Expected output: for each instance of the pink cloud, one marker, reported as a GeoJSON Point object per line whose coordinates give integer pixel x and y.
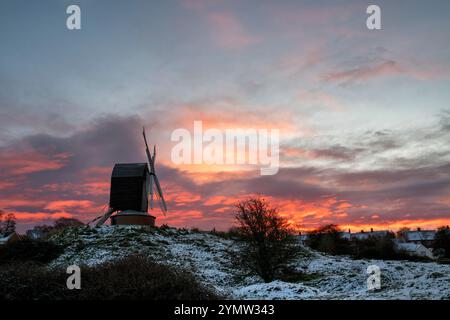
{"type": "Point", "coordinates": [62, 205]}
{"type": "Point", "coordinates": [387, 68]}
{"type": "Point", "coordinates": [228, 32]}
{"type": "Point", "coordinates": [13, 202]}
{"type": "Point", "coordinates": [30, 161]}
{"type": "Point", "coordinates": [359, 74]}
{"type": "Point", "coordinates": [321, 99]}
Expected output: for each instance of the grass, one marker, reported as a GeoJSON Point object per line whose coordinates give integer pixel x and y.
{"type": "Point", "coordinates": [27, 250]}
{"type": "Point", "coordinates": [295, 276]}
{"type": "Point", "coordinates": [131, 278]}
{"type": "Point", "coordinates": [444, 261]}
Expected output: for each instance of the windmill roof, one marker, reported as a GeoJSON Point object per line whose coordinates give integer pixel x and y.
{"type": "Point", "coordinates": [122, 170]}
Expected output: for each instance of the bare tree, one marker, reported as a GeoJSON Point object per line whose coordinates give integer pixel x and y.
{"type": "Point", "coordinates": [7, 223]}
{"type": "Point", "coordinates": [269, 244]}
{"type": "Point", "coordinates": [2, 213]}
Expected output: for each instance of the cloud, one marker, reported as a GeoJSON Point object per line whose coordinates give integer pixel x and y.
{"type": "Point", "coordinates": [226, 29]}
{"type": "Point", "coordinates": [63, 205]}
{"type": "Point", "coordinates": [229, 33]}
{"type": "Point", "coordinates": [29, 161]}
{"type": "Point", "coordinates": [382, 68]}
{"type": "Point", "coordinates": [364, 73]}
{"type": "Point", "coordinates": [321, 100]}
{"type": "Point", "coordinates": [309, 193]}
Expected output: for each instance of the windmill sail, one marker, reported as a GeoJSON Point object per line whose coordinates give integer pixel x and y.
{"type": "Point", "coordinates": [163, 202]}
{"type": "Point", "coordinates": [150, 189]}
{"type": "Point", "coordinates": [151, 170]}
{"type": "Point", "coordinates": [153, 178]}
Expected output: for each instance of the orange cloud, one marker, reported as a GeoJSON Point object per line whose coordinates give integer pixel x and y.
{"type": "Point", "coordinates": [40, 216]}
{"type": "Point", "coordinates": [62, 205]}
{"type": "Point", "coordinates": [395, 225]}
{"type": "Point", "coordinates": [230, 114]}
{"type": "Point", "coordinates": [216, 200]}
{"type": "Point", "coordinates": [31, 161]}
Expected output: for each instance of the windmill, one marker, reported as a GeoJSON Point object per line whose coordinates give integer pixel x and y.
{"type": "Point", "coordinates": [133, 186]}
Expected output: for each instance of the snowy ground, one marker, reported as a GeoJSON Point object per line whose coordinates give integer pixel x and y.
{"type": "Point", "coordinates": [208, 256]}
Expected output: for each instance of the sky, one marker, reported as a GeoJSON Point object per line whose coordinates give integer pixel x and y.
{"type": "Point", "coordinates": [364, 115]}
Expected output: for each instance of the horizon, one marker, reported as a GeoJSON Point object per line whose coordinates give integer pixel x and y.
{"type": "Point", "coordinates": [363, 115]}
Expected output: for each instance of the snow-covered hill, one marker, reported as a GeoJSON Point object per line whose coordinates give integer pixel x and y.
{"type": "Point", "coordinates": [208, 256]}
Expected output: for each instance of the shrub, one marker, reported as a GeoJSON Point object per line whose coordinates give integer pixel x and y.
{"type": "Point", "coordinates": [59, 226]}
{"type": "Point", "coordinates": [29, 250]}
{"type": "Point", "coordinates": [376, 248]}
{"type": "Point", "coordinates": [131, 278]}
{"type": "Point", "coordinates": [63, 223]}
{"type": "Point", "coordinates": [31, 281]}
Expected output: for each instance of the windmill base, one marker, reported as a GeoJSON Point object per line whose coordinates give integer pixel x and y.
{"type": "Point", "coordinates": [129, 217]}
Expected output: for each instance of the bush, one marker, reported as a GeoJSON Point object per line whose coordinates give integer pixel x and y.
{"type": "Point", "coordinates": [232, 233]}
{"type": "Point", "coordinates": [31, 281]}
{"type": "Point", "coordinates": [376, 248]}
{"type": "Point", "coordinates": [132, 278]}
{"type": "Point", "coordinates": [269, 245]}
{"type": "Point", "coordinates": [295, 276]}
{"type": "Point", "coordinates": [63, 223]}
{"type": "Point", "coordinates": [59, 225]}
{"type": "Point", "coordinates": [27, 250]}
{"type": "Point", "coordinates": [328, 239]}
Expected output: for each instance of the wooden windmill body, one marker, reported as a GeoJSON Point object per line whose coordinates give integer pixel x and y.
{"type": "Point", "coordinates": [133, 187]}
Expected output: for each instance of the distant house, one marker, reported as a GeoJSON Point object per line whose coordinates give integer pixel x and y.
{"type": "Point", "coordinates": [347, 235]}
{"type": "Point", "coordinates": [36, 234]}
{"type": "Point", "coordinates": [4, 240]}
{"type": "Point", "coordinates": [414, 249]}
{"type": "Point", "coordinates": [424, 237]}
{"type": "Point", "coordinates": [364, 235]}
{"type": "Point", "coordinates": [303, 237]}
